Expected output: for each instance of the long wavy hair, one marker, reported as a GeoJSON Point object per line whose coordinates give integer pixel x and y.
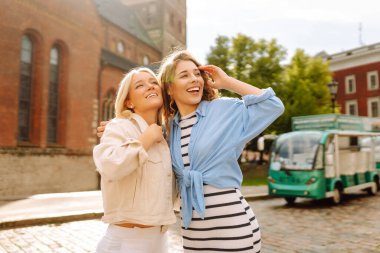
{"type": "Point", "coordinates": [166, 77]}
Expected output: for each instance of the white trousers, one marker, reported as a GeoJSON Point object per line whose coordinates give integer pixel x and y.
{"type": "Point", "coordinates": [133, 240]}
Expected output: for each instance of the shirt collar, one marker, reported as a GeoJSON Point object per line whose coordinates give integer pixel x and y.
{"type": "Point", "coordinates": [201, 111]}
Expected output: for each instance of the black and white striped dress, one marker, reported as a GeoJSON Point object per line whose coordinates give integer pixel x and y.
{"type": "Point", "coordinates": [229, 224]}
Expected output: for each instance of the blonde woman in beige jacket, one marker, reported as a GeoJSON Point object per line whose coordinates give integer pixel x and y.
{"type": "Point", "coordinates": [134, 162]}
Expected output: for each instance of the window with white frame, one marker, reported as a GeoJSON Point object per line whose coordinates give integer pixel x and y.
{"type": "Point", "coordinates": [352, 107]}
{"type": "Point", "coordinates": [373, 105]}
{"type": "Point", "coordinates": [350, 84]}
{"type": "Point", "coordinates": [372, 80]}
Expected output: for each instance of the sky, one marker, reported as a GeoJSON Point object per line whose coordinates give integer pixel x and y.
{"type": "Point", "coordinates": [324, 25]}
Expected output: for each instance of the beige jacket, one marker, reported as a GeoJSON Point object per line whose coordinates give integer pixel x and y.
{"type": "Point", "coordinates": [137, 185]}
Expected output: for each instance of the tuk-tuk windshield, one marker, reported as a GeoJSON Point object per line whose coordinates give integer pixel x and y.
{"type": "Point", "coordinates": [296, 150]}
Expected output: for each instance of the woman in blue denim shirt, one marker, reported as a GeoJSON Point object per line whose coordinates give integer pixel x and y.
{"type": "Point", "coordinates": [206, 136]}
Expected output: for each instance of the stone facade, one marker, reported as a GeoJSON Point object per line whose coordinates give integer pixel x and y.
{"type": "Point", "coordinates": [26, 171]}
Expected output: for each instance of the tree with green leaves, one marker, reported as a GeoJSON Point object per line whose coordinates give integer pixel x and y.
{"type": "Point", "coordinates": [301, 85]}
{"type": "Point", "coordinates": [256, 62]}
{"type": "Point", "coordinates": [304, 89]}
{"type": "Point", "coordinates": [220, 55]}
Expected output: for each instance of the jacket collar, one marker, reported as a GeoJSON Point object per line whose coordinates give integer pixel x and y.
{"type": "Point", "coordinates": [140, 122]}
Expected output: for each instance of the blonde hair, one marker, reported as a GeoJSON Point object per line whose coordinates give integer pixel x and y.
{"type": "Point", "coordinates": [166, 77]}
{"type": "Point", "coordinates": [121, 111]}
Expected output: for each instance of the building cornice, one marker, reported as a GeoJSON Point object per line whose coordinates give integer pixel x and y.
{"type": "Point", "coordinates": [354, 57]}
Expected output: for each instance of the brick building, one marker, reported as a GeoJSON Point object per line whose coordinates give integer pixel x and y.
{"type": "Point", "coordinates": [60, 65]}
{"type": "Point", "coordinates": [357, 72]}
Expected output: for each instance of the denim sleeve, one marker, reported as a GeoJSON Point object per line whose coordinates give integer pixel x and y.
{"type": "Point", "coordinates": [259, 112]}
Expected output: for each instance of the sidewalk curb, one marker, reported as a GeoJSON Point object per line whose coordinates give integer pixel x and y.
{"type": "Point", "coordinates": [82, 215]}
{"type": "Point", "coordinates": [49, 220]}
{"type": "Point", "coordinates": [254, 197]}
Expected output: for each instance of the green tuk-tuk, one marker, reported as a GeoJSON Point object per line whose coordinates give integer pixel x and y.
{"type": "Point", "coordinates": [325, 156]}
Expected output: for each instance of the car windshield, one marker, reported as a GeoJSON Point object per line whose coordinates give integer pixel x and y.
{"type": "Point", "coordinates": [295, 151]}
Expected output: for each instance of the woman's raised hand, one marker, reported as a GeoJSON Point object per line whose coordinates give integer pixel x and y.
{"type": "Point", "coordinates": [220, 79]}
{"type": "Point", "coordinates": [223, 81]}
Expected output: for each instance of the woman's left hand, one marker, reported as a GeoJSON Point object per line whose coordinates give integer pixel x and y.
{"type": "Point", "coordinates": [220, 79]}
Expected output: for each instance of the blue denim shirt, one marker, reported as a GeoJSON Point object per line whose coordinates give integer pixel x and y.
{"type": "Point", "coordinates": [217, 139]}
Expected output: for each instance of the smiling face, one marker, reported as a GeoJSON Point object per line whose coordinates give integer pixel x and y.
{"type": "Point", "coordinates": [187, 87]}
{"type": "Point", "coordinates": [144, 93]}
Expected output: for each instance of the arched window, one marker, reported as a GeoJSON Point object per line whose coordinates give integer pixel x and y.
{"type": "Point", "coordinates": [25, 95]}
{"type": "Point", "coordinates": [120, 47]}
{"type": "Point", "coordinates": [52, 117]}
{"type": "Point", "coordinates": [146, 60]}
{"type": "Point", "coordinates": [109, 106]}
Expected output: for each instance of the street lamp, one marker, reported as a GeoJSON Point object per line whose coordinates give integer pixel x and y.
{"type": "Point", "coordinates": [333, 89]}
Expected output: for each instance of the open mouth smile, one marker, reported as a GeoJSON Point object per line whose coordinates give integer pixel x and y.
{"type": "Point", "coordinates": [152, 95]}
{"type": "Point", "coordinates": [193, 90]}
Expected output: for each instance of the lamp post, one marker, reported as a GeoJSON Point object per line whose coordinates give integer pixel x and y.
{"type": "Point", "coordinates": [333, 89]}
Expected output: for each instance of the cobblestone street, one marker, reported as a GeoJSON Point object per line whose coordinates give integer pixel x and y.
{"type": "Point", "coordinates": [316, 226]}
{"type": "Point", "coordinates": [309, 226]}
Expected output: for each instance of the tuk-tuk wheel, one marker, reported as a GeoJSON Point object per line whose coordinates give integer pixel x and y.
{"type": "Point", "coordinates": [337, 196]}
{"type": "Point", "coordinates": [374, 188]}
{"type": "Point", "coordinates": [290, 200]}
